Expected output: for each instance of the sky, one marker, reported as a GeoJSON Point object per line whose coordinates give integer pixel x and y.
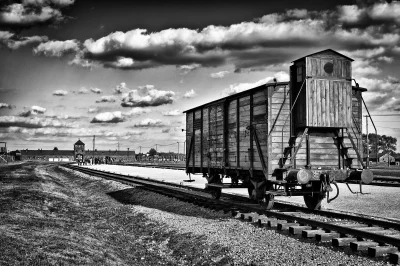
{"type": "Point", "coordinates": [124, 71]}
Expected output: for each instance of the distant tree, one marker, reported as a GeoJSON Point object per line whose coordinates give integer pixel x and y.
{"type": "Point", "coordinates": [385, 143]}
{"type": "Point", "coordinates": [55, 149]}
{"type": "Point", "coordinates": [152, 152]}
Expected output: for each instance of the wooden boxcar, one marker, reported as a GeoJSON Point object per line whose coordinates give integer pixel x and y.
{"type": "Point", "coordinates": [284, 138]}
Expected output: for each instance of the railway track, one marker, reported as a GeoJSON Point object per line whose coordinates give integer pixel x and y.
{"type": "Point", "coordinates": [379, 180]}
{"type": "Point", "coordinates": [366, 235]}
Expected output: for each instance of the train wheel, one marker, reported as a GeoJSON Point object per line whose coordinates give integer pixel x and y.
{"type": "Point", "coordinates": [313, 202]}
{"type": "Point", "coordinates": [268, 201]}
{"type": "Point", "coordinates": [215, 192]}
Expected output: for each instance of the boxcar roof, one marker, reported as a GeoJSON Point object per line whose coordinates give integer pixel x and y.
{"type": "Point", "coordinates": [239, 94]}
{"type": "Point", "coordinates": [324, 51]}
{"type": "Point", "coordinates": [256, 88]}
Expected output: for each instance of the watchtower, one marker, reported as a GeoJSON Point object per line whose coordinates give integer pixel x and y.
{"type": "Point", "coordinates": [321, 82]}
{"type": "Point", "coordinates": [79, 150]}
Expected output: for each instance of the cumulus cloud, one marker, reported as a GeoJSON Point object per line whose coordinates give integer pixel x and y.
{"type": "Point", "coordinates": [186, 69]}
{"type": "Point", "coordinates": [93, 110]}
{"type": "Point", "coordinates": [172, 113]}
{"type": "Point", "coordinates": [6, 105]}
{"type": "Point", "coordinates": [219, 75]}
{"type": "Point", "coordinates": [60, 93]}
{"type": "Point", "coordinates": [137, 111]}
{"type": "Point", "coordinates": [108, 117]}
{"type": "Point", "coordinates": [106, 99]}
{"type": "Point", "coordinates": [82, 90]}
{"type": "Point", "coordinates": [95, 90]}
{"type": "Point", "coordinates": [120, 88]}
{"type": "Point", "coordinates": [34, 122]}
{"type": "Point", "coordinates": [146, 96]}
{"type": "Point", "coordinates": [148, 122]}
{"type": "Point", "coordinates": [34, 110]}
{"type": "Point", "coordinates": [239, 87]}
{"type": "Point", "coordinates": [189, 94]}
{"type": "Point", "coordinates": [57, 48]}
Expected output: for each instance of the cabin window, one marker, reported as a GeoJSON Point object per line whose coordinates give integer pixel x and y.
{"type": "Point", "coordinates": [299, 73]}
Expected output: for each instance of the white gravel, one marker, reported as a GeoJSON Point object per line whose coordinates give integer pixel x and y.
{"type": "Point", "coordinates": [247, 244]}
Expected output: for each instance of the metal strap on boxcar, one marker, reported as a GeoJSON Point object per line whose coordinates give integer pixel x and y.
{"type": "Point", "coordinates": [190, 152]}
{"type": "Point", "coordinates": [290, 113]}
{"type": "Point", "coordinates": [279, 112]}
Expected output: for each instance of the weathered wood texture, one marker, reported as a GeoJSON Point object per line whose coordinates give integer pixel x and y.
{"type": "Point", "coordinates": [279, 125]}
{"type": "Point", "coordinates": [324, 99]}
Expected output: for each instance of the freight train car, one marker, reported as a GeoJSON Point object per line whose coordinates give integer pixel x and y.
{"type": "Point", "coordinates": [292, 138]}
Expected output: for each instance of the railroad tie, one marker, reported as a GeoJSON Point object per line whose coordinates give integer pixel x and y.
{"type": "Point", "coordinates": [362, 245]}
{"type": "Point", "coordinates": [298, 229]}
{"type": "Point", "coordinates": [312, 233]}
{"type": "Point", "coordinates": [381, 251]}
{"type": "Point", "coordinates": [342, 241]}
{"type": "Point", "coordinates": [273, 223]}
{"type": "Point", "coordinates": [394, 258]}
{"type": "Point", "coordinates": [285, 225]}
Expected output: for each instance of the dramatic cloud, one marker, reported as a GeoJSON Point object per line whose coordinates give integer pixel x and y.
{"type": "Point", "coordinates": [189, 94]}
{"type": "Point", "coordinates": [172, 113]}
{"type": "Point", "coordinates": [60, 93]}
{"type": "Point", "coordinates": [235, 88]}
{"type": "Point", "coordinates": [146, 96]}
{"type": "Point", "coordinates": [219, 75]}
{"type": "Point", "coordinates": [364, 30]}
{"type": "Point", "coordinates": [13, 41]}
{"type": "Point", "coordinates": [106, 99]}
{"type": "Point", "coordinates": [166, 130]}
{"type": "Point", "coordinates": [96, 90]}
{"type": "Point", "coordinates": [32, 13]}
{"type": "Point", "coordinates": [6, 105]}
{"type": "Point", "coordinates": [119, 89]}
{"type": "Point", "coordinates": [150, 123]}
{"type": "Point", "coordinates": [57, 48]}
{"type": "Point", "coordinates": [108, 117]}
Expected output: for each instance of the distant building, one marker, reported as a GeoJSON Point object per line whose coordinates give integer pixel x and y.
{"type": "Point", "coordinates": [78, 152]}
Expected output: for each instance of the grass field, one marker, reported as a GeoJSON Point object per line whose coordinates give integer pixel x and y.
{"type": "Point", "coordinates": [50, 217]}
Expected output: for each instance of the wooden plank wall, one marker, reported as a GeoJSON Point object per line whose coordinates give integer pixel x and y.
{"type": "Point", "coordinates": [328, 103]}
{"type": "Point", "coordinates": [276, 97]}
{"type": "Point", "coordinates": [341, 69]}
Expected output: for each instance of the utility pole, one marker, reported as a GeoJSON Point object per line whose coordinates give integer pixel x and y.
{"type": "Point", "coordinates": [118, 145]}
{"type": "Point", "coordinates": [128, 154]}
{"type": "Point", "coordinates": [94, 137]}
{"type": "Point", "coordinates": [366, 124]}
{"type": "Point", "coordinates": [178, 150]}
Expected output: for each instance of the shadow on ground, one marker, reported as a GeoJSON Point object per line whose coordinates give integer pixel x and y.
{"type": "Point", "coordinates": [140, 196]}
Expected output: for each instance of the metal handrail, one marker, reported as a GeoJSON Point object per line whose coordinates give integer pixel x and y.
{"type": "Point", "coordinates": [376, 134]}
{"type": "Point", "coordinates": [291, 109]}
